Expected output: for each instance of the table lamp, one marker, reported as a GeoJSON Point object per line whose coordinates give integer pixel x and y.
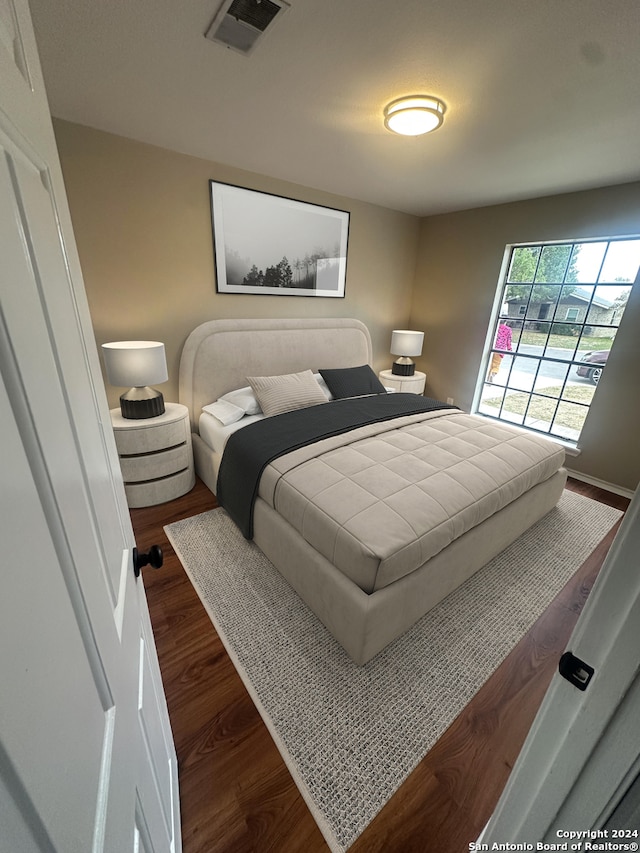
{"type": "Point", "coordinates": [137, 365]}
{"type": "Point", "coordinates": [405, 344]}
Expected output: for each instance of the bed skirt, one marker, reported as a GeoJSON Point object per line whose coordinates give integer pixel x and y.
{"type": "Point", "coordinates": [363, 623]}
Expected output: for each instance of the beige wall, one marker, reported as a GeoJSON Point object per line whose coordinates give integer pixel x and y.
{"type": "Point", "coordinates": [143, 227]}
{"type": "Point", "coordinates": [459, 262]}
{"type": "Point", "coordinates": [142, 221]}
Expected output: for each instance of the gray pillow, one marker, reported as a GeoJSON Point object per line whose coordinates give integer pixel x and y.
{"type": "Point", "coordinates": [352, 381]}
{"type": "Point", "coordinates": [278, 394]}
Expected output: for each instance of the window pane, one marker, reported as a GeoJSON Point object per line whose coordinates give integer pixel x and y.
{"type": "Point", "coordinates": [604, 310]}
{"type": "Point", "coordinates": [524, 261]}
{"type": "Point", "coordinates": [499, 368]}
{"type": "Point", "coordinates": [563, 341]}
{"type": "Point", "coordinates": [617, 291]}
{"type": "Point", "coordinates": [491, 400]}
{"type": "Point", "coordinates": [579, 393]}
{"type": "Point", "coordinates": [553, 264]}
{"type": "Point", "coordinates": [541, 302]}
{"type": "Point", "coordinates": [551, 378]}
{"type": "Point", "coordinates": [513, 407]}
{"type": "Point", "coordinates": [538, 335]}
{"type": "Point", "coordinates": [620, 299]}
{"type": "Point", "coordinates": [572, 305]}
{"type": "Point", "coordinates": [541, 412]}
{"type": "Point", "coordinates": [569, 420]}
{"type": "Point", "coordinates": [621, 261]}
{"type": "Point", "coordinates": [516, 299]}
{"type": "Point", "coordinates": [546, 390]}
{"type": "Point", "coordinates": [586, 262]}
{"type": "Point", "coordinates": [593, 338]}
{"type": "Point", "coordinates": [522, 373]}
{"type": "Point", "coordinates": [593, 354]}
{"type": "Point", "coordinates": [530, 336]}
{"type": "Point", "coordinates": [544, 300]}
{"type": "Point", "coordinates": [516, 333]}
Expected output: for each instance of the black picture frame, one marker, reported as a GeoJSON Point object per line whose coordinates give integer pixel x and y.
{"type": "Point", "coordinates": [271, 245]}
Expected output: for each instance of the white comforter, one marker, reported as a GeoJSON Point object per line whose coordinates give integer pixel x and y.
{"type": "Point", "coordinates": [380, 501]}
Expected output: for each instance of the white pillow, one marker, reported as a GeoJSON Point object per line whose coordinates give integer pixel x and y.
{"type": "Point", "coordinates": [226, 412]}
{"type": "Point", "coordinates": [245, 399]}
{"type": "Point", "coordinates": [278, 394]}
{"type": "Point", "coordinates": [325, 388]}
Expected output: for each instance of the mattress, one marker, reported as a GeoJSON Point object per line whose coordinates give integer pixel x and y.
{"type": "Point", "coordinates": [380, 501]}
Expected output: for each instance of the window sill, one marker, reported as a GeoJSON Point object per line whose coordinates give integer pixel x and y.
{"type": "Point", "coordinates": [569, 449]}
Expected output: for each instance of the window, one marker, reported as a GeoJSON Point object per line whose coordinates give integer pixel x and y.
{"type": "Point", "coordinates": [561, 307]}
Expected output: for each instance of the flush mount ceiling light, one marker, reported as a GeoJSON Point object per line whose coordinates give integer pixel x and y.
{"type": "Point", "coordinates": [414, 115]}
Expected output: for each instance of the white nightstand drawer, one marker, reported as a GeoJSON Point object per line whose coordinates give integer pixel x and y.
{"type": "Point", "coordinates": [159, 491]}
{"type": "Point", "coordinates": [147, 439]}
{"type": "Point", "coordinates": [152, 466]}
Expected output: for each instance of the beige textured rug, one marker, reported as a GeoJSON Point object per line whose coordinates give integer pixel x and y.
{"type": "Point", "coordinates": [351, 735]}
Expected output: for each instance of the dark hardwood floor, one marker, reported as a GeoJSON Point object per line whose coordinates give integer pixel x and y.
{"type": "Point", "coordinates": [236, 793]}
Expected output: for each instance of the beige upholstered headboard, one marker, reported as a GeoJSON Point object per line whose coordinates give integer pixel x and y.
{"type": "Point", "coordinates": [219, 355]}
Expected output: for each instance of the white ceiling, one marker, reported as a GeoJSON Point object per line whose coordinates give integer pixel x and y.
{"type": "Point", "coordinates": [542, 97]}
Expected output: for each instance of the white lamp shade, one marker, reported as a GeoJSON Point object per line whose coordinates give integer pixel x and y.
{"type": "Point", "coordinates": [405, 342]}
{"type": "Point", "coordinates": [135, 363]}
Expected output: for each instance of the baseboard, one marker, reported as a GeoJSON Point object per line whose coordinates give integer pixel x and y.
{"type": "Point", "coordinates": [601, 484]}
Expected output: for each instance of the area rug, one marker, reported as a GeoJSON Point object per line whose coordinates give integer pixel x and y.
{"type": "Point", "coordinates": [351, 735]}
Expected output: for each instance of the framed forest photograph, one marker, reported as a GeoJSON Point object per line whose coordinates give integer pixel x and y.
{"type": "Point", "coordinates": [271, 245]}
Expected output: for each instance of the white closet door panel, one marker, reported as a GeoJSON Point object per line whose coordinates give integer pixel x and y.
{"type": "Point", "coordinates": [85, 767]}
{"type": "Point", "coordinates": [47, 262]}
{"type": "Point", "coordinates": [59, 717]}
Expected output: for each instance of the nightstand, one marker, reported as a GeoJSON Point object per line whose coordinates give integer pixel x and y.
{"type": "Point", "coordinates": [408, 384]}
{"type": "Point", "coordinates": [155, 455]}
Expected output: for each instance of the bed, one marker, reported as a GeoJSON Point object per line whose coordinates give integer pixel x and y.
{"type": "Point", "coordinates": [372, 522]}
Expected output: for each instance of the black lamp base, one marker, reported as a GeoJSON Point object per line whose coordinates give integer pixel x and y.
{"type": "Point", "coordinates": [403, 367]}
{"type": "Point", "coordinates": [140, 403]}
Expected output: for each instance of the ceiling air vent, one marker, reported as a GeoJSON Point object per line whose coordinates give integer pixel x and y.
{"type": "Point", "coordinates": [240, 24]}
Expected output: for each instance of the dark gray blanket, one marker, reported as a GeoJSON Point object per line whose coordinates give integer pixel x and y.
{"type": "Point", "coordinates": [249, 450]}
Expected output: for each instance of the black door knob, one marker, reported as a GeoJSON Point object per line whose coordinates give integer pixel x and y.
{"type": "Point", "coordinates": [153, 557]}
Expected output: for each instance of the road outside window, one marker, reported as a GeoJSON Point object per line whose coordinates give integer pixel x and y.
{"type": "Point", "coordinates": [561, 305]}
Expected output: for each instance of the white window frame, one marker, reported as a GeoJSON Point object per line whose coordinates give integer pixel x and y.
{"type": "Point", "coordinates": [501, 292]}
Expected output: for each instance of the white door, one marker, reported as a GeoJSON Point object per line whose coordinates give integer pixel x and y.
{"type": "Point", "coordinates": [87, 761]}
{"type": "Point", "coordinates": [583, 750]}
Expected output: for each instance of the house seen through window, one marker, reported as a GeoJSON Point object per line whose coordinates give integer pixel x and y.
{"type": "Point", "coordinates": [561, 305]}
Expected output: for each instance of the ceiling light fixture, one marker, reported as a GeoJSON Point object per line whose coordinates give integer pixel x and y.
{"type": "Point", "coordinates": [414, 115]}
